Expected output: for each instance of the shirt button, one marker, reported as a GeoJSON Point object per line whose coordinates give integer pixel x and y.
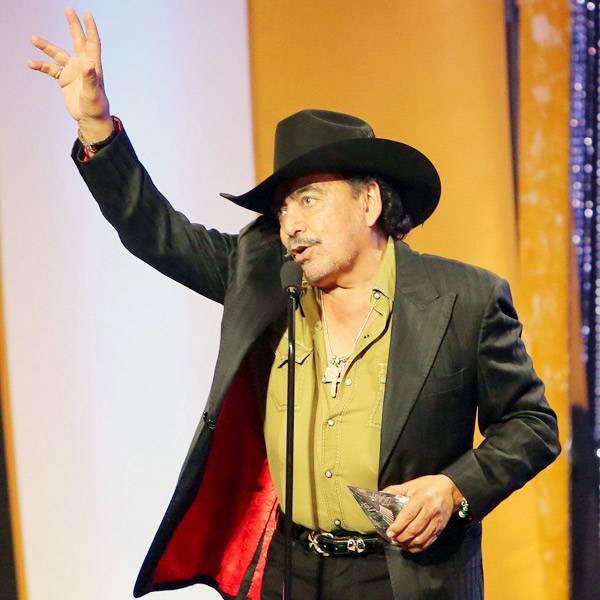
{"type": "Point", "coordinates": [348, 381]}
{"type": "Point", "coordinates": [330, 422]}
{"type": "Point", "coordinates": [337, 522]}
{"type": "Point", "coordinates": [376, 295]}
{"type": "Point", "coordinates": [328, 474]}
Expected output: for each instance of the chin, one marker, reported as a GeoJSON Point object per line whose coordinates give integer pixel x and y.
{"type": "Point", "coordinates": [310, 274]}
{"type": "Point", "coordinates": [326, 275]}
{"type": "Point", "coordinates": [316, 277]}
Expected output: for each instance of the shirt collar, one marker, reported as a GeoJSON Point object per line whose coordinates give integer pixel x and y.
{"type": "Point", "coordinates": [386, 277]}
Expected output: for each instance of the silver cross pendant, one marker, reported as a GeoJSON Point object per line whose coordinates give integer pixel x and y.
{"type": "Point", "coordinates": [333, 375]}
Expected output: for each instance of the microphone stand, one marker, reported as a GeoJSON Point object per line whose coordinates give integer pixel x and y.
{"type": "Point", "coordinates": [291, 279]}
{"type": "Point", "coordinates": [289, 451]}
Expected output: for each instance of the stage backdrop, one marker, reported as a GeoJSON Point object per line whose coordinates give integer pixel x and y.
{"type": "Point", "coordinates": [434, 75]}
{"type": "Point", "coordinates": [108, 364]}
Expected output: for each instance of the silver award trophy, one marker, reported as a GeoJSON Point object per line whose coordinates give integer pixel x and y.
{"type": "Point", "coordinates": [380, 507]}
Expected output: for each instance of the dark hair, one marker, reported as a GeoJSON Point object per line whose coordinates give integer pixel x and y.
{"type": "Point", "coordinates": [394, 221]}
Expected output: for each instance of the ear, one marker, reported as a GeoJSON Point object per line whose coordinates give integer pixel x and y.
{"type": "Point", "coordinates": [372, 203]}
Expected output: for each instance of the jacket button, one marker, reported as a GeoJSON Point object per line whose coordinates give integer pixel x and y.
{"type": "Point", "coordinates": [210, 423]}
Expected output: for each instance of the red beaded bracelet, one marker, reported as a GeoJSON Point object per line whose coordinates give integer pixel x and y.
{"type": "Point", "coordinates": [91, 149]}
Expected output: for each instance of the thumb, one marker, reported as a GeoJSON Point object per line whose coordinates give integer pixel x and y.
{"type": "Point", "coordinates": [398, 490]}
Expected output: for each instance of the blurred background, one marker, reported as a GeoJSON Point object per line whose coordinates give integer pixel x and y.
{"type": "Point", "coordinates": [105, 365]}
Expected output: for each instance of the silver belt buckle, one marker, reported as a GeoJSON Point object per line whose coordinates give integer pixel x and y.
{"type": "Point", "coordinates": [356, 545]}
{"type": "Point", "coordinates": [313, 542]}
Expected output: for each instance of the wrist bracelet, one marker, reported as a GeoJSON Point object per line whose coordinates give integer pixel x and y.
{"type": "Point", "coordinates": [94, 147]}
{"type": "Point", "coordinates": [464, 510]}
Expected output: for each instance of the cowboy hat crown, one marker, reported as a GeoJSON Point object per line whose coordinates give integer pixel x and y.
{"type": "Point", "coordinates": [314, 140]}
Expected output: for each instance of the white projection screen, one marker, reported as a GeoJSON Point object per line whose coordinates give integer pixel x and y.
{"type": "Point", "coordinates": [109, 362]}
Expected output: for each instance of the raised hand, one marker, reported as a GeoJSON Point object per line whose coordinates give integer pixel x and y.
{"type": "Point", "coordinates": [79, 76]}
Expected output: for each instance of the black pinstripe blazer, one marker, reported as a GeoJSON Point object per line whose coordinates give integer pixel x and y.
{"type": "Point", "coordinates": [456, 356]}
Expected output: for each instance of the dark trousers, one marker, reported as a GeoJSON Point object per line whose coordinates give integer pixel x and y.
{"type": "Point", "coordinates": [317, 577]}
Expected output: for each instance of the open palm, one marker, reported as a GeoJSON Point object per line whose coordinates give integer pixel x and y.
{"type": "Point", "coordinates": [79, 75]}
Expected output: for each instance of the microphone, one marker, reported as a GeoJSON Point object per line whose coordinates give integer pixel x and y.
{"type": "Point", "coordinates": [291, 278]}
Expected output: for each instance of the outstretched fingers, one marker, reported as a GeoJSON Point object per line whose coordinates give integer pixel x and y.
{"type": "Point", "coordinates": [54, 69]}
{"type": "Point", "coordinates": [93, 41]}
{"type": "Point", "coordinates": [47, 67]}
{"type": "Point", "coordinates": [86, 100]}
{"type": "Point", "coordinates": [53, 51]}
{"type": "Point", "coordinates": [77, 35]}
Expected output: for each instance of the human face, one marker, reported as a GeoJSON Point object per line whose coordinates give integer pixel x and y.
{"type": "Point", "coordinates": [325, 228]}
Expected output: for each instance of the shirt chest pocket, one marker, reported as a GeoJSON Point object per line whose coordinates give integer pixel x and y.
{"type": "Point", "coordinates": [304, 375]}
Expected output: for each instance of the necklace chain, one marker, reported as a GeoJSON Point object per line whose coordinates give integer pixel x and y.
{"type": "Point", "coordinates": [336, 366]}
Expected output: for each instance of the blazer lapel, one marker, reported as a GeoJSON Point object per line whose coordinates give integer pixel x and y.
{"type": "Point", "coordinates": [255, 300]}
{"type": "Point", "coordinates": [420, 318]}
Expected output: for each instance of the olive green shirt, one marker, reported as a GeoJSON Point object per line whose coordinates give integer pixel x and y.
{"type": "Point", "coordinates": [337, 439]}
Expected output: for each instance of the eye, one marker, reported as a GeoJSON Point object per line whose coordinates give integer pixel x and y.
{"type": "Point", "coordinates": [308, 201]}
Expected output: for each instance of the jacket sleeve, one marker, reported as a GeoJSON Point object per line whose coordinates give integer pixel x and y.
{"type": "Point", "coordinates": [519, 427]}
{"type": "Point", "coordinates": [149, 226]}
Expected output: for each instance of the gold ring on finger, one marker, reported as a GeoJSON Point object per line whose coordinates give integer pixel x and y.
{"type": "Point", "coordinates": [58, 73]}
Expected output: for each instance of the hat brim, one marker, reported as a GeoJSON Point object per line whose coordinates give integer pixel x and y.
{"type": "Point", "coordinates": [400, 165]}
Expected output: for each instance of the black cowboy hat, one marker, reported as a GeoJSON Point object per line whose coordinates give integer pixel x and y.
{"type": "Point", "coordinates": [312, 141]}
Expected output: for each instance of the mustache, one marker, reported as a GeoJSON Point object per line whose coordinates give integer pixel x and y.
{"type": "Point", "coordinates": [296, 240]}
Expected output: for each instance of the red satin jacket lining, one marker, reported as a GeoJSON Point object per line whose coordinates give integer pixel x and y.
{"type": "Point", "coordinates": [219, 534]}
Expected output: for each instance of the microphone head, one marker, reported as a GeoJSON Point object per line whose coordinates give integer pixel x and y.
{"type": "Point", "coordinates": [291, 277]}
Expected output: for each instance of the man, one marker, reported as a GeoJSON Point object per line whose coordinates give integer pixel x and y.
{"type": "Point", "coordinates": [397, 353]}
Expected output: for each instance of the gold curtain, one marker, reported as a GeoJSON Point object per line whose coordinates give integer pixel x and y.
{"type": "Point", "coordinates": [433, 74]}
{"type": "Point", "coordinates": [544, 261]}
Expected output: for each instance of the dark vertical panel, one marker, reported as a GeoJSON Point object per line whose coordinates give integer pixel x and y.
{"type": "Point", "coordinates": [585, 200]}
{"type": "Point", "coordinates": [511, 14]}
{"type": "Point", "coordinates": [8, 580]}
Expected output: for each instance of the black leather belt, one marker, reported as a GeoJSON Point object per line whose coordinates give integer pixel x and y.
{"type": "Point", "coordinates": [346, 543]}
{"type": "Point", "coordinates": [329, 544]}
